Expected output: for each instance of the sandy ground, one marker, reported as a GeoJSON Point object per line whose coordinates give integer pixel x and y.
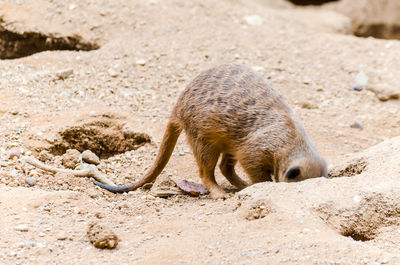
{"type": "Point", "coordinates": [149, 51]}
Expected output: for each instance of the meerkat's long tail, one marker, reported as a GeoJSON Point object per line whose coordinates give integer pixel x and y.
{"type": "Point", "coordinates": [167, 146]}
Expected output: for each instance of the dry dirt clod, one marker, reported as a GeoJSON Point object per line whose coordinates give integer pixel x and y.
{"type": "Point", "coordinates": [45, 155]}
{"type": "Point", "coordinates": [90, 157]}
{"type": "Point", "coordinates": [70, 158]}
{"type": "Point", "coordinates": [102, 236]}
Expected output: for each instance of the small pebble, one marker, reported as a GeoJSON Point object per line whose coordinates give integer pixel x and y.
{"type": "Point", "coordinates": [44, 156]}
{"type": "Point", "coordinates": [90, 157]}
{"type": "Point", "coordinates": [14, 152]}
{"type": "Point", "coordinates": [70, 158]}
{"type": "Point", "coordinates": [112, 72]}
{"type": "Point", "coordinates": [102, 236]}
{"type": "Point", "coordinates": [141, 62]}
{"type": "Point", "coordinates": [361, 79]}
{"type": "Point", "coordinates": [22, 228]}
{"type": "Point", "coordinates": [357, 125]}
{"type": "Point", "coordinates": [62, 236]}
{"type": "Point", "coordinates": [31, 181]}
{"type": "Point", "coordinates": [253, 20]}
{"type": "Point", "coordinates": [356, 87]}
{"type": "Point", "coordinates": [65, 73]}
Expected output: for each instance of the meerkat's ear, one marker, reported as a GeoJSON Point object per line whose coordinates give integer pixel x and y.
{"type": "Point", "coordinates": [292, 173]}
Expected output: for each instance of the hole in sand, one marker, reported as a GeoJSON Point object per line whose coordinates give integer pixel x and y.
{"type": "Point", "coordinates": [356, 235]}
{"type": "Point", "coordinates": [377, 30]}
{"type": "Point", "coordinates": [310, 2]}
{"type": "Point", "coordinates": [378, 19]}
{"type": "Point", "coordinates": [349, 169]}
{"type": "Point", "coordinates": [364, 220]}
{"type": "Point", "coordinates": [105, 134]}
{"type": "Point", "coordinates": [103, 138]}
{"type": "Point", "coordinates": [15, 45]}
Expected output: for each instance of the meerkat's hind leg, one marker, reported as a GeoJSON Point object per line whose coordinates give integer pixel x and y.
{"type": "Point", "coordinates": [208, 178]}
{"type": "Point", "coordinates": [227, 167]}
{"type": "Point", "coordinates": [207, 159]}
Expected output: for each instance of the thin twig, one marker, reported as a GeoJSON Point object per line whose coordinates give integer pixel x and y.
{"type": "Point", "coordinates": [87, 171]}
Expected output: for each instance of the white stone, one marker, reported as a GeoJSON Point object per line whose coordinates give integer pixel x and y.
{"type": "Point", "coordinates": [22, 228]}
{"type": "Point", "coordinates": [253, 20]}
{"type": "Point", "coordinates": [361, 79]}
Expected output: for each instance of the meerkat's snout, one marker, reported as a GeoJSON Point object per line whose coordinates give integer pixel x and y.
{"type": "Point", "coordinates": [304, 168]}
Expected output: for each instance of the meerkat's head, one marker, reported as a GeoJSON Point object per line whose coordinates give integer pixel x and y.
{"type": "Point", "coordinates": [303, 168]}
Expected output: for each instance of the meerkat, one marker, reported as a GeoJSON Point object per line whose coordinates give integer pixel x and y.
{"type": "Point", "coordinates": [234, 111]}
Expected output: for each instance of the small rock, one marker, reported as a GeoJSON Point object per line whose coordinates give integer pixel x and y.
{"type": "Point", "coordinates": [356, 87]}
{"type": "Point", "coordinates": [62, 236]}
{"type": "Point", "coordinates": [141, 62]}
{"type": "Point", "coordinates": [258, 68]}
{"type": "Point", "coordinates": [361, 79]}
{"type": "Point", "coordinates": [101, 236]}
{"type": "Point", "coordinates": [31, 181]}
{"type": "Point", "coordinates": [64, 74]}
{"type": "Point", "coordinates": [357, 125]}
{"type": "Point", "coordinates": [70, 158]}
{"type": "Point", "coordinates": [253, 20]}
{"type": "Point", "coordinates": [112, 72]}
{"type": "Point", "coordinates": [90, 157]}
{"type": "Point", "coordinates": [14, 152]}
{"type": "Point", "coordinates": [22, 228]}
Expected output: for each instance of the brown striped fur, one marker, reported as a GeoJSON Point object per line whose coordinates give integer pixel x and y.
{"type": "Point", "coordinates": [234, 111]}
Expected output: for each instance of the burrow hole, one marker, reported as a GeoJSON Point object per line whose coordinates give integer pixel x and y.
{"type": "Point", "coordinates": [105, 136]}
{"type": "Point", "coordinates": [357, 235]}
{"type": "Point", "coordinates": [311, 2]}
{"type": "Point", "coordinates": [16, 45]}
{"type": "Point", "coordinates": [351, 169]}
